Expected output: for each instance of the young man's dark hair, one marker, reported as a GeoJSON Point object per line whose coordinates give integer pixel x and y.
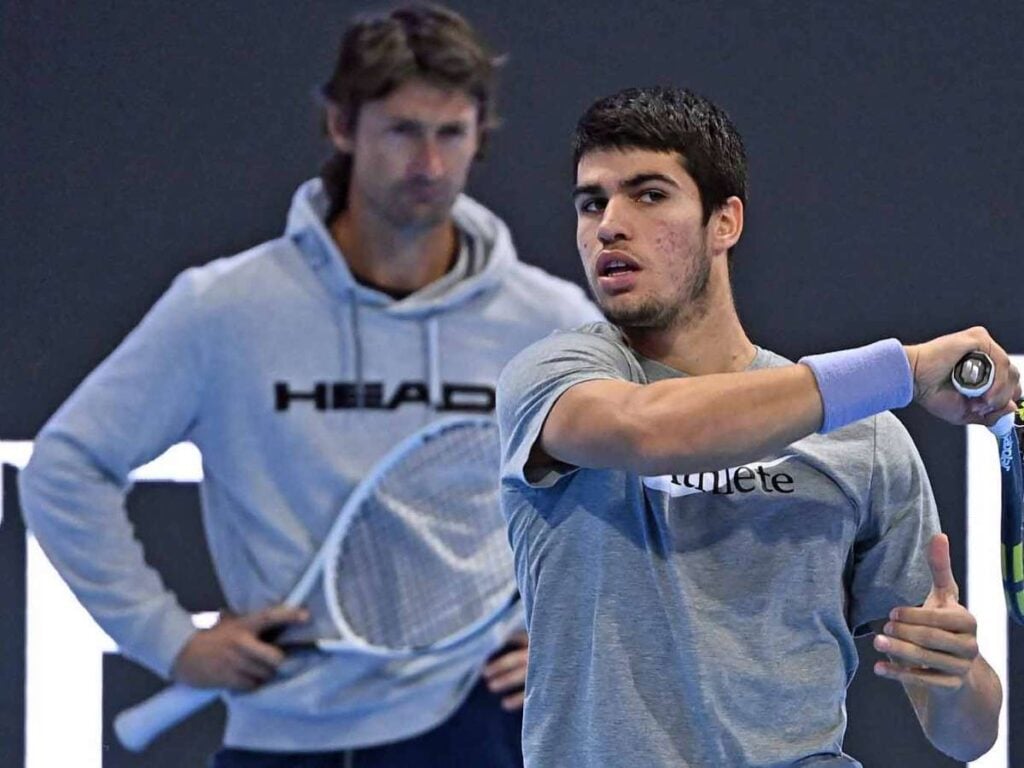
{"type": "Point", "coordinates": [379, 53]}
{"type": "Point", "coordinates": [670, 120]}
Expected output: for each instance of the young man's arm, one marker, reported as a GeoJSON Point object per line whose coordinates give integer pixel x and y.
{"type": "Point", "coordinates": [706, 422]}
{"type": "Point", "coordinates": [933, 651]}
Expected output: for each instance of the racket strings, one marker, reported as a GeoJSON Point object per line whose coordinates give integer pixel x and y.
{"type": "Point", "coordinates": [427, 555]}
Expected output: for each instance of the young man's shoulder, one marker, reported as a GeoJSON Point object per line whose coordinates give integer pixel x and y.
{"type": "Point", "coordinates": [564, 353]}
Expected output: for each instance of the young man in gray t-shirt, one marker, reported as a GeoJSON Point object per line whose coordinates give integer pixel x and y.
{"type": "Point", "coordinates": [701, 527]}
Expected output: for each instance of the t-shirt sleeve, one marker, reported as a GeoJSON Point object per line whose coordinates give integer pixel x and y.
{"type": "Point", "coordinates": [531, 384]}
{"type": "Point", "coordinates": [890, 563]}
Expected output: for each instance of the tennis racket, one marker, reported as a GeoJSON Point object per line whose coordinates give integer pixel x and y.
{"type": "Point", "coordinates": [416, 563]}
{"type": "Point", "coordinates": [973, 376]}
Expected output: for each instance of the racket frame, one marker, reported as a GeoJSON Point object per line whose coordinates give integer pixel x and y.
{"type": "Point", "coordinates": [137, 726]}
{"type": "Point", "coordinates": [1011, 544]}
{"type": "Point", "coordinates": [1012, 523]}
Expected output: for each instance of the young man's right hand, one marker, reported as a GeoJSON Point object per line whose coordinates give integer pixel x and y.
{"type": "Point", "coordinates": [231, 654]}
{"type": "Point", "coordinates": [932, 364]}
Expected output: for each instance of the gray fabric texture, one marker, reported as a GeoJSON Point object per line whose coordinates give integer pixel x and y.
{"type": "Point", "coordinates": [709, 619]}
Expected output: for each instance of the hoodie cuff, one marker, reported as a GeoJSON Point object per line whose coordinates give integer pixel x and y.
{"type": "Point", "coordinates": [161, 640]}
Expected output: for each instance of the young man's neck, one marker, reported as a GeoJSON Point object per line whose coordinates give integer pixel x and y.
{"type": "Point", "coordinates": [396, 260]}
{"type": "Point", "coordinates": [711, 341]}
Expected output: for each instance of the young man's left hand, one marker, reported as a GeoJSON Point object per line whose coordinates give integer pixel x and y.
{"type": "Point", "coordinates": [506, 672]}
{"type": "Point", "coordinates": [934, 645]}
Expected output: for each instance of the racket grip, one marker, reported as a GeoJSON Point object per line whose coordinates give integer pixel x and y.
{"type": "Point", "coordinates": [1004, 426]}
{"type": "Point", "coordinates": [137, 726]}
{"type": "Point", "coordinates": [973, 377]}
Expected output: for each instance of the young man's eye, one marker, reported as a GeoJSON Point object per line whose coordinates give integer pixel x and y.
{"type": "Point", "coordinates": [651, 196]}
{"type": "Point", "coordinates": [591, 205]}
{"type": "Point", "coordinates": [453, 131]}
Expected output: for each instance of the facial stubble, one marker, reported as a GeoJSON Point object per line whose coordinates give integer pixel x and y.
{"type": "Point", "coordinates": [650, 314]}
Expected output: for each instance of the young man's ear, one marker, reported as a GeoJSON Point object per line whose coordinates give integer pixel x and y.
{"type": "Point", "coordinates": [726, 224]}
{"type": "Point", "coordinates": [338, 128]}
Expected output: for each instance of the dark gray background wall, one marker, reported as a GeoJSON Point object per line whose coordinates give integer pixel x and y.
{"type": "Point", "coordinates": [884, 141]}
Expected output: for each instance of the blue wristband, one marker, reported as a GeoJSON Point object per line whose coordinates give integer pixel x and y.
{"type": "Point", "coordinates": [857, 383]}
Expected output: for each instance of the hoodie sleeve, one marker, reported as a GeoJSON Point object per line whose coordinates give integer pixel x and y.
{"type": "Point", "coordinates": [141, 400]}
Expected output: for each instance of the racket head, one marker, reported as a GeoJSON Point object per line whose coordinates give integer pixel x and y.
{"type": "Point", "coordinates": [419, 559]}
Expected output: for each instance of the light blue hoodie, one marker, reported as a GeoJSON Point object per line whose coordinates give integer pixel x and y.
{"type": "Point", "coordinates": [292, 379]}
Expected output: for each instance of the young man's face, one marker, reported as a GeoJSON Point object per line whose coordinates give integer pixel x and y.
{"type": "Point", "coordinates": [640, 235]}
{"type": "Point", "coordinates": [412, 151]}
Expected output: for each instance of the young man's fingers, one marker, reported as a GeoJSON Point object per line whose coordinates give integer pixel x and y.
{"type": "Point", "coordinates": [957, 643]}
{"type": "Point", "coordinates": [942, 567]}
{"type": "Point", "coordinates": [925, 677]}
{"type": "Point", "coordinates": [910, 655]}
{"type": "Point", "coordinates": [990, 419]}
{"type": "Point", "coordinates": [951, 621]}
{"type": "Point", "coordinates": [516, 678]}
{"type": "Point", "coordinates": [513, 702]}
{"type": "Point", "coordinates": [506, 662]}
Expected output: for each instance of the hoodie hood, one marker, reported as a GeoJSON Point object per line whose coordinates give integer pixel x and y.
{"type": "Point", "coordinates": [485, 256]}
{"type": "Point", "coordinates": [487, 250]}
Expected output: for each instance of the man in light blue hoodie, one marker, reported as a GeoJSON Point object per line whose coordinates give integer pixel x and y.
{"type": "Point", "coordinates": [390, 299]}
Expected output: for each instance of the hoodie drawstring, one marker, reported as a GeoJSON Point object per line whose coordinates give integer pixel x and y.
{"type": "Point", "coordinates": [357, 348]}
{"type": "Point", "coordinates": [432, 331]}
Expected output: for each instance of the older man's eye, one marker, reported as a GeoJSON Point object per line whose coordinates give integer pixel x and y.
{"type": "Point", "coordinates": [405, 129]}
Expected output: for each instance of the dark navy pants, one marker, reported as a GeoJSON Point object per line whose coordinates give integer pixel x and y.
{"type": "Point", "coordinates": [479, 735]}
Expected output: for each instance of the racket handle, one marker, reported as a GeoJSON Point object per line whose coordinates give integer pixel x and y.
{"type": "Point", "coordinates": [137, 726]}
{"type": "Point", "coordinates": [1004, 426]}
{"type": "Point", "coordinates": [973, 377]}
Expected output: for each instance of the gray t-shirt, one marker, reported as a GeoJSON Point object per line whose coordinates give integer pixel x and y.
{"type": "Point", "coordinates": [700, 620]}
